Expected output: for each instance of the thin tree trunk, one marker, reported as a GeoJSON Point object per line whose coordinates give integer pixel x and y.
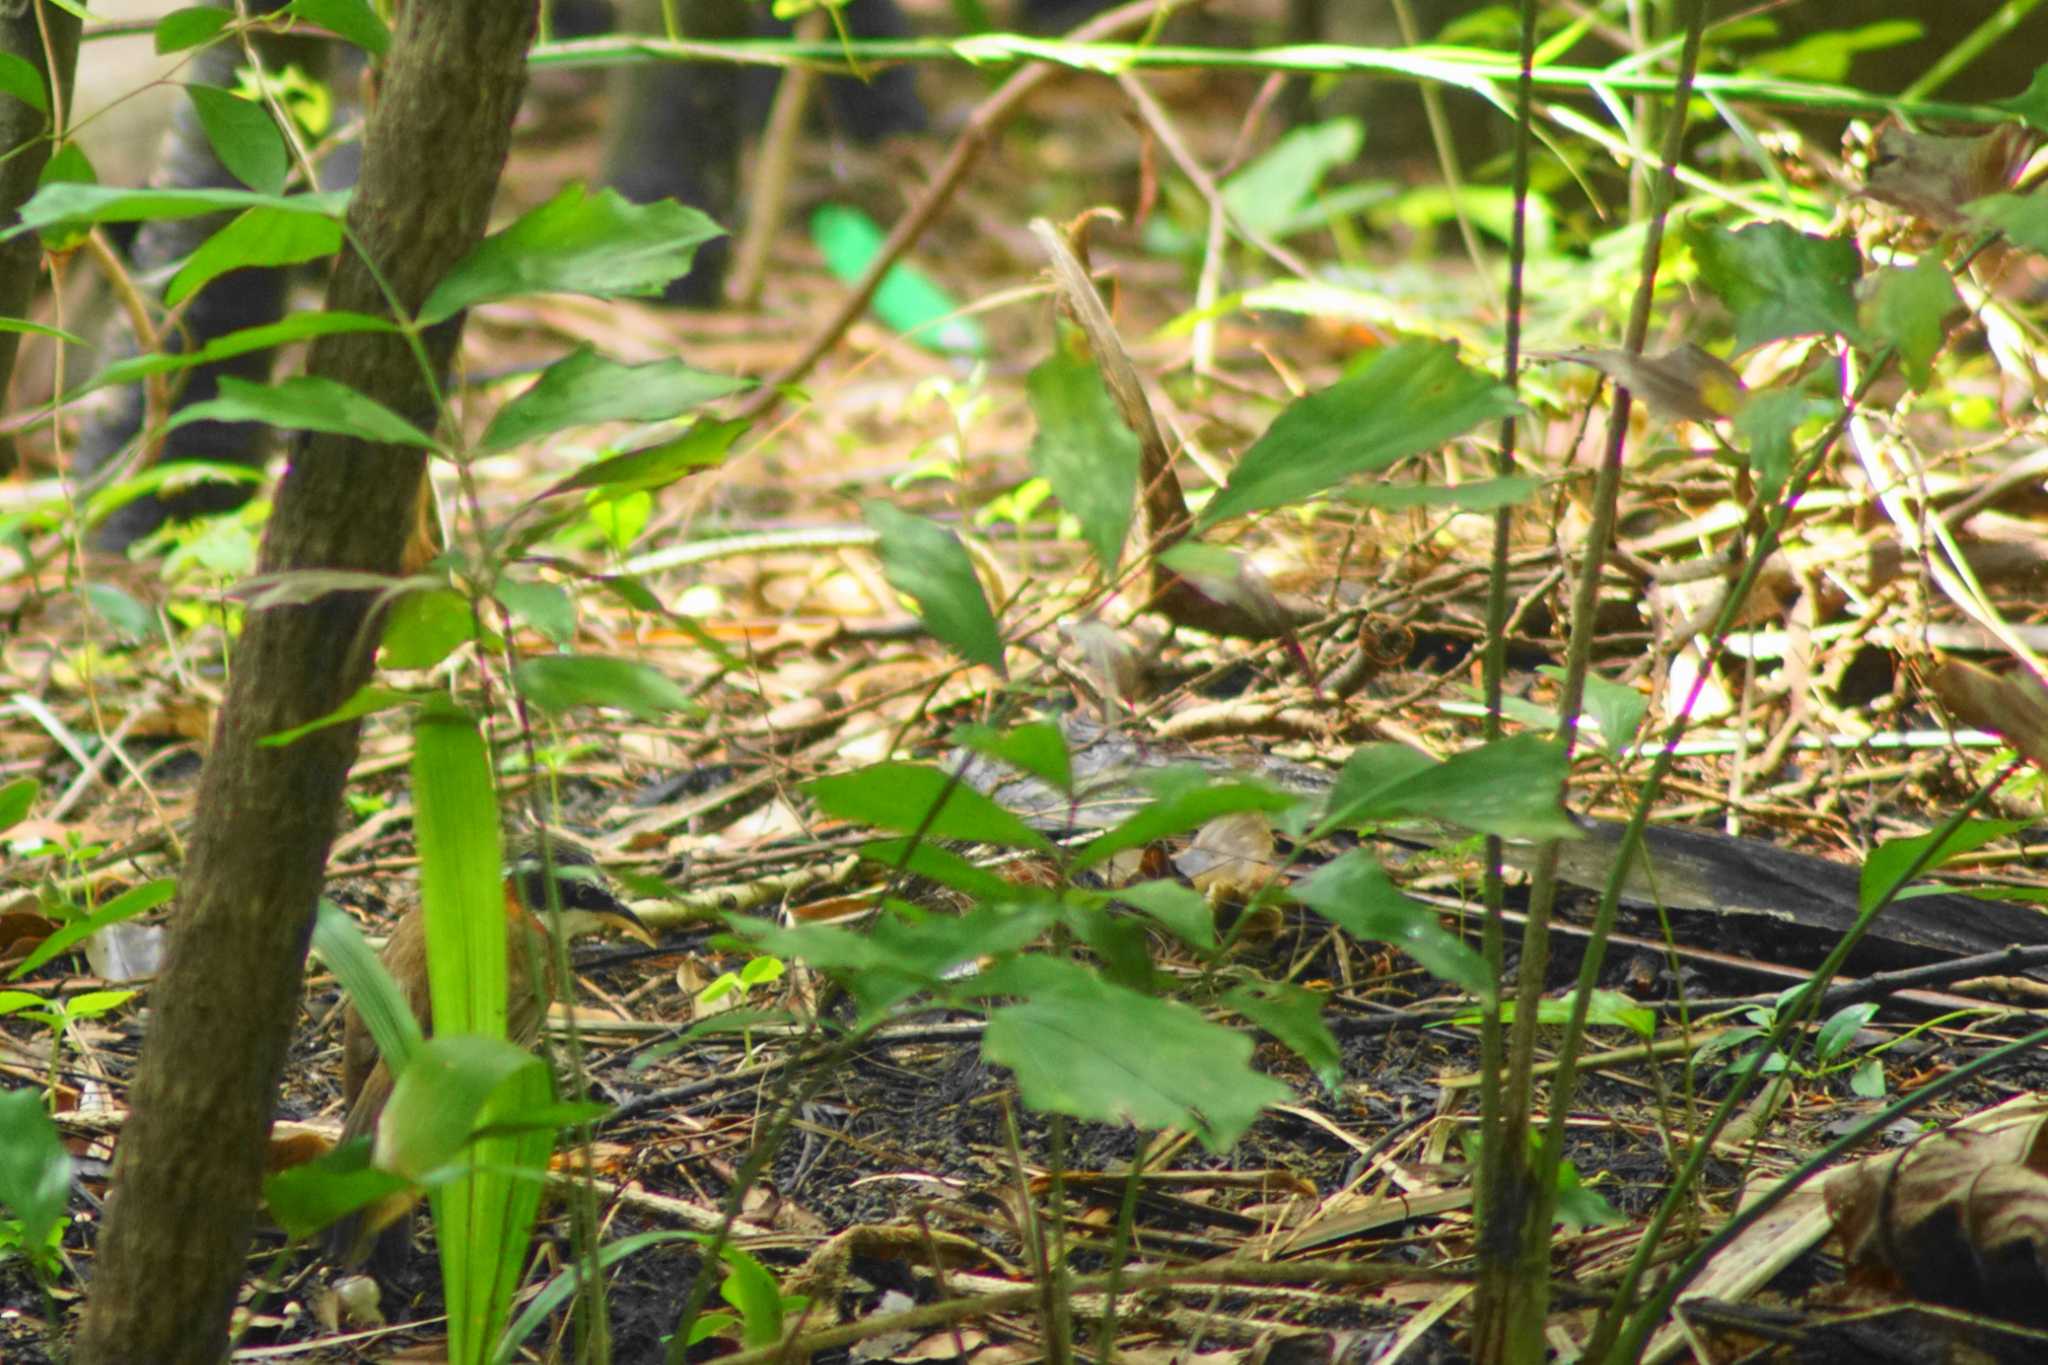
{"type": "Point", "coordinates": [187, 1170]}
{"type": "Point", "coordinates": [47, 39]}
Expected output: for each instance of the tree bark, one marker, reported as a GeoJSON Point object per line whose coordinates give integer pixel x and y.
{"type": "Point", "coordinates": [40, 34]}
{"type": "Point", "coordinates": [186, 1176]}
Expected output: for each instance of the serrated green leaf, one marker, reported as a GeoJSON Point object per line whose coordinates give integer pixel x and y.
{"type": "Point", "coordinates": [1779, 282]}
{"type": "Point", "coordinates": [1910, 308]}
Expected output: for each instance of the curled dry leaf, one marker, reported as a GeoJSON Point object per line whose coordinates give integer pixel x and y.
{"type": "Point", "coordinates": [1960, 1217]}
{"type": "Point", "coordinates": [1932, 177]}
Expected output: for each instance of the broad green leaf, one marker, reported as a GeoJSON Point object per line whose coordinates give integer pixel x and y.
{"type": "Point", "coordinates": [307, 1197]}
{"type": "Point", "coordinates": [1409, 399]}
{"type": "Point", "coordinates": [1616, 708]}
{"type": "Point", "coordinates": [1178, 811]}
{"type": "Point", "coordinates": [423, 628]}
{"type": "Point", "coordinates": [755, 1295]}
{"type": "Point", "coordinates": [544, 606]}
{"type": "Point", "coordinates": [186, 28]}
{"type": "Point", "coordinates": [1887, 863]}
{"type": "Point", "coordinates": [297, 327]}
{"type": "Point", "coordinates": [17, 799]}
{"type": "Point", "coordinates": [368, 700]}
{"type": "Point", "coordinates": [1037, 748]}
{"type": "Point", "coordinates": [1909, 308]}
{"type": "Point", "coordinates": [927, 563]}
{"type": "Point", "coordinates": [1512, 787]}
{"type": "Point", "coordinates": [304, 403]}
{"type": "Point", "coordinates": [1764, 430]}
{"type": "Point", "coordinates": [908, 300]}
{"type": "Point", "coordinates": [906, 950]}
{"type": "Point", "coordinates": [1084, 449]}
{"type": "Point", "coordinates": [66, 203]}
{"type": "Point", "coordinates": [1082, 1047]}
{"type": "Point", "coordinates": [136, 900]}
{"type": "Point", "coordinates": [441, 1098]}
{"type": "Point", "coordinates": [1825, 57]}
{"type": "Point", "coordinates": [256, 237]}
{"type": "Point", "coordinates": [655, 466]}
{"type": "Point", "coordinates": [577, 243]}
{"type": "Point", "coordinates": [1270, 190]}
{"type": "Point", "coordinates": [920, 799]}
{"type": "Point", "coordinates": [35, 1170]}
{"type": "Point", "coordinates": [1185, 912]}
{"type": "Point", "coordinates": [2032, 103]}
{"type": "Point", "coordinates": [557, 682]}
{"type": "Point", "coordinates": [1354, 894]}
{"type": "Point", "coordinates": [585, 388]}
{"type": "Point", "coordinates": [133, 621]}
{"type": "Point", "coordinates": [923, 858]}
{"type": "Point", "coordinates": [19, 78]}
{"type": "Point", "coordinates": [354, 20]}
{"type": "Point", "coordinates": [1839, 1031]}
{"type": "Point", "coordinates": [244, 137]}
{"type": "Point", "coordinates": [1778, 281]}
{"type": "Point", "coordinates": [1294, 1015]}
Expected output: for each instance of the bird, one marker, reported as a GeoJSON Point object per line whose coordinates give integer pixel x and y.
{"type": "Point", "coordinates": [586, 905]}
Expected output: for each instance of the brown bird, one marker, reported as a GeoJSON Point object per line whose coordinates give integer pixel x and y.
{"type": "Point", "coordinates": [587, 907]}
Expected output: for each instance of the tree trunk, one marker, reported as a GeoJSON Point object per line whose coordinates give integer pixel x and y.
{"type": "Point", "coordinates": [39, 35]}
{"type": "Point", "coordinates": [191, 1157]}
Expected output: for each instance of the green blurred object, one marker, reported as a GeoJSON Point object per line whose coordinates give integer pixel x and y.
{"type": "Point", "coordinates": [909, 301]}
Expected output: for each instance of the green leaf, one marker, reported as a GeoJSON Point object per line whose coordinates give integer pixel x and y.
{"type": "Point", "coordinates": [927, 563]}
{"type": "Point", "coordinates": [1085, 450]}
{"type": "Point", "coordinates": [132, 621]}
{"type": "Point", "coordinates": [136, 900]}
{"type": "Point", "coordinates": [19, 78]}
{"type": "Point", "coordinates": [655, 466]}
{"type": "Point", "coordinates": [1179, 808]}
{"type": "Point", "coordinates": [1765, 427]}
{"type": "Point", "coordinates": [1778, 281]}
{"type": "Point", "coordinates": [908, 300]}
{"type": "Point", "coordinates": [1294, 1015]}
{"type": "Point", "coordinates": [1185, 913]}
{"type": "Point", "coordinates": [1409, 399]}
{"type": "Point", "coordinates": [186, 28]}
{"type": "Point", "coordinates": [1825, 57]}
{"type": "Point", "coordinates": [376, 997]}
{"type": "Point", "coordinates": [577, 243]}
{"type": "Point", "coordinates": [918, 798]}
{"type": "Point", "coordinates": [544, 606]}
{"type": "Point", "coordinates": [1579, 1206]}
{"type": "Point", "coordinates": [441, 1099]}
{"type": "Point", "coordinates": [2032, 103]}
{"type": "Point", "coordinates": [298, 327]}
{"type": "Point", "coordinates": [1910, 309]}
{"type": "Point", "coordinates": [354, 20]}
{"type": "Point", "coordinates": [1886, 866]}
{"type": "Point", "coordinates": [1354, 894]}
{"type": "Point", "coordinates": [1616, 708]}
{"type": "Point", "coordinates": [69, 204]}
{"type": "Point", "coordinates": [1037, 748]}
{"type": "Point", "coordinates": [1277, 183]}
{"type": "Point", "coordinates": [244, 137]}
{"type": "Point", "coordinates": [304, 403]}
{"type": "Point", "coordinates": [1082, 1047]}
{"type": "Point", "coordinates": [923, 858]}
{"type": "Point", "coordinates": [35, 1170]}
{"type": "Point", "coordinates": [1867, 1080]}
{"type": "Point", "coordinates": [307, 1197]}
{"type": "Point", "coordinates": [17, 799]}
{"type": "Point", "coordinates": [1512, 788]}
{"type": "Point", "coordinates": [423, 628]}
{"type": "Point", "coordinates": [368, 700]}
{"type": "Point", "coordinates": [256, 237]}
{"type": "Point", "coordinates": [557, 682]}
{"type": "Point", "coordinates": [753, 1293]}
{"type": "Point", "coordinates": [1841, 1028]}
{"type": "Point", "coordinates": [584, 388]}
